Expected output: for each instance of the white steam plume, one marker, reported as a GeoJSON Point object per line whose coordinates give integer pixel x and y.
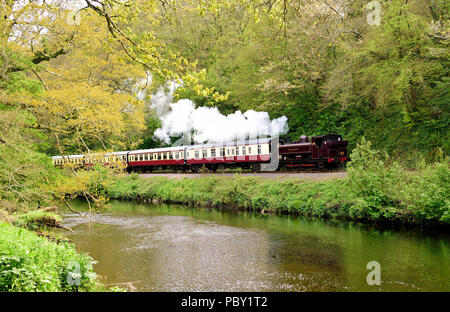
{"type": "Point", "coordinates": [207, 124]}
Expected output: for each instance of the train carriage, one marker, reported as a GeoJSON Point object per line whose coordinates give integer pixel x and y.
{"type": "Point", "coordinates": [149, 159]}
{"type": "Point", "coordinates": [73, 160]}
{"type": "Point", "coordinates": [245, 154]}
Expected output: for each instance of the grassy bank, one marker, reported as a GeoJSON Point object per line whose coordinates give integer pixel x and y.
{"type": "Point", "coordinates": [376, 190]}
{"type": "Point", "coordinates": [29, 262]}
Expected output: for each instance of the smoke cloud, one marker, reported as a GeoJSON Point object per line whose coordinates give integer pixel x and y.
{"type": "Point", "coordinates": [207, 124]}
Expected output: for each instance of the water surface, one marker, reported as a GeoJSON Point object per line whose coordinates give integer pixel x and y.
{"type": "Point", "coordinates": [177, 248]}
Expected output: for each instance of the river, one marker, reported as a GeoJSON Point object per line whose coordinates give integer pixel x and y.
{"type": "Point", "coordinates": [177, 248]}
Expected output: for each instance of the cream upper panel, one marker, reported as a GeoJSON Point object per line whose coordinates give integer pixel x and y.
{"type": "Point", "coordinates": [250, 150]}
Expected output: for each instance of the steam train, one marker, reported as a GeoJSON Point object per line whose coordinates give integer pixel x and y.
{"type": "Point", "coordinates": [267, 154]}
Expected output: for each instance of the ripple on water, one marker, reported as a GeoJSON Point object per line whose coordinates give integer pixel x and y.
{"type": "Point", "coordinates": [224, 252]}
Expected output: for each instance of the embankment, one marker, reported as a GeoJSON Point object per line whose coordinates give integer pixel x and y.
{"type": "Point", "coordinates": [383, 198]}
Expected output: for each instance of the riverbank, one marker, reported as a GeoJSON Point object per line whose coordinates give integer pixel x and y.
{"type": "Point", "coordinates": [29, 262]}
{"type": "Point", "coordinates": [390, 195]}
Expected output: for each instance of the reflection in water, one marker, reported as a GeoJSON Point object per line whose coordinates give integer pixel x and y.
{"type": "Point", "coordinates": [174, 248]}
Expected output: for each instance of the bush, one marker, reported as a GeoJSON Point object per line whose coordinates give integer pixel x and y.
{"type": "Point", "coordinates": [29, 262]}
{"type": "Point", "coordinates": [383, 189]}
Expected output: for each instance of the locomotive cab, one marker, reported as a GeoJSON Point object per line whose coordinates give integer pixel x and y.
{"type": "Point", "coordinates": [332, 149]}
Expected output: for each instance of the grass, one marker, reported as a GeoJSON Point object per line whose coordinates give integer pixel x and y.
{"type": "Point", "coordinates": [35, 220]}
{"type": "Point", "coordinates": [327, 199]}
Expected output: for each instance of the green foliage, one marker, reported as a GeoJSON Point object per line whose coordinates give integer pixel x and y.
{"type": "Point", "coordinates": [32, 263]}
{"type": "Point", "coordinates": [371, 193]}
{"type": "Point", "coordinates": [375, 182]}
{"type": "Point", "coordinates": [385, 190]}
{"type": "Point", "coordinates": [36, 219]}
{"type": "Point", "coordinates": [24, 172]}
{"type": "Point", "coordinates": [329, 72]}
{"type": "Point", "coordinates": [90, 184]}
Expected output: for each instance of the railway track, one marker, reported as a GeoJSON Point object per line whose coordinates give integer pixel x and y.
{"type": "Point", "coordinates": [308, 175]}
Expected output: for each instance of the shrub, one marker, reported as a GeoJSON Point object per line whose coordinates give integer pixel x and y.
{"type": "Point", "coordinates": [29, 262]}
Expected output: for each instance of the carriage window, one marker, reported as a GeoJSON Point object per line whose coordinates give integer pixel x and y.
{"type": "Point", "coordinates": [259, 149]}
{"type": "Point", "coordinates": [318, 142]}
{"type": "Point", "coordinates": [159, 156]}
{"type": "Point", "coordinates": [243, 150]}
{"type": "Point", "coordinates": [237, 151]}
{"type": "Point", "coordinates": [164, 156]}
{"type": "Point", "coordinates": [249, 150]}
{"type": "Point", "coordinates": [228, 151]}
{"type": "Point", "coordinates": [205, 153]}
{"type": "Point", "coordinates": [213, 152]}
{"type": "Point", "coordinates": [170, 155]}
{"type": "Point", "coordinates": [222, 151]}
{"type": "Point", "coordinates": [197, 154]}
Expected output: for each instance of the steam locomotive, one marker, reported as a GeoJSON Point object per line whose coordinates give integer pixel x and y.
{"type": "Point", "coordinates": [267, 154]}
